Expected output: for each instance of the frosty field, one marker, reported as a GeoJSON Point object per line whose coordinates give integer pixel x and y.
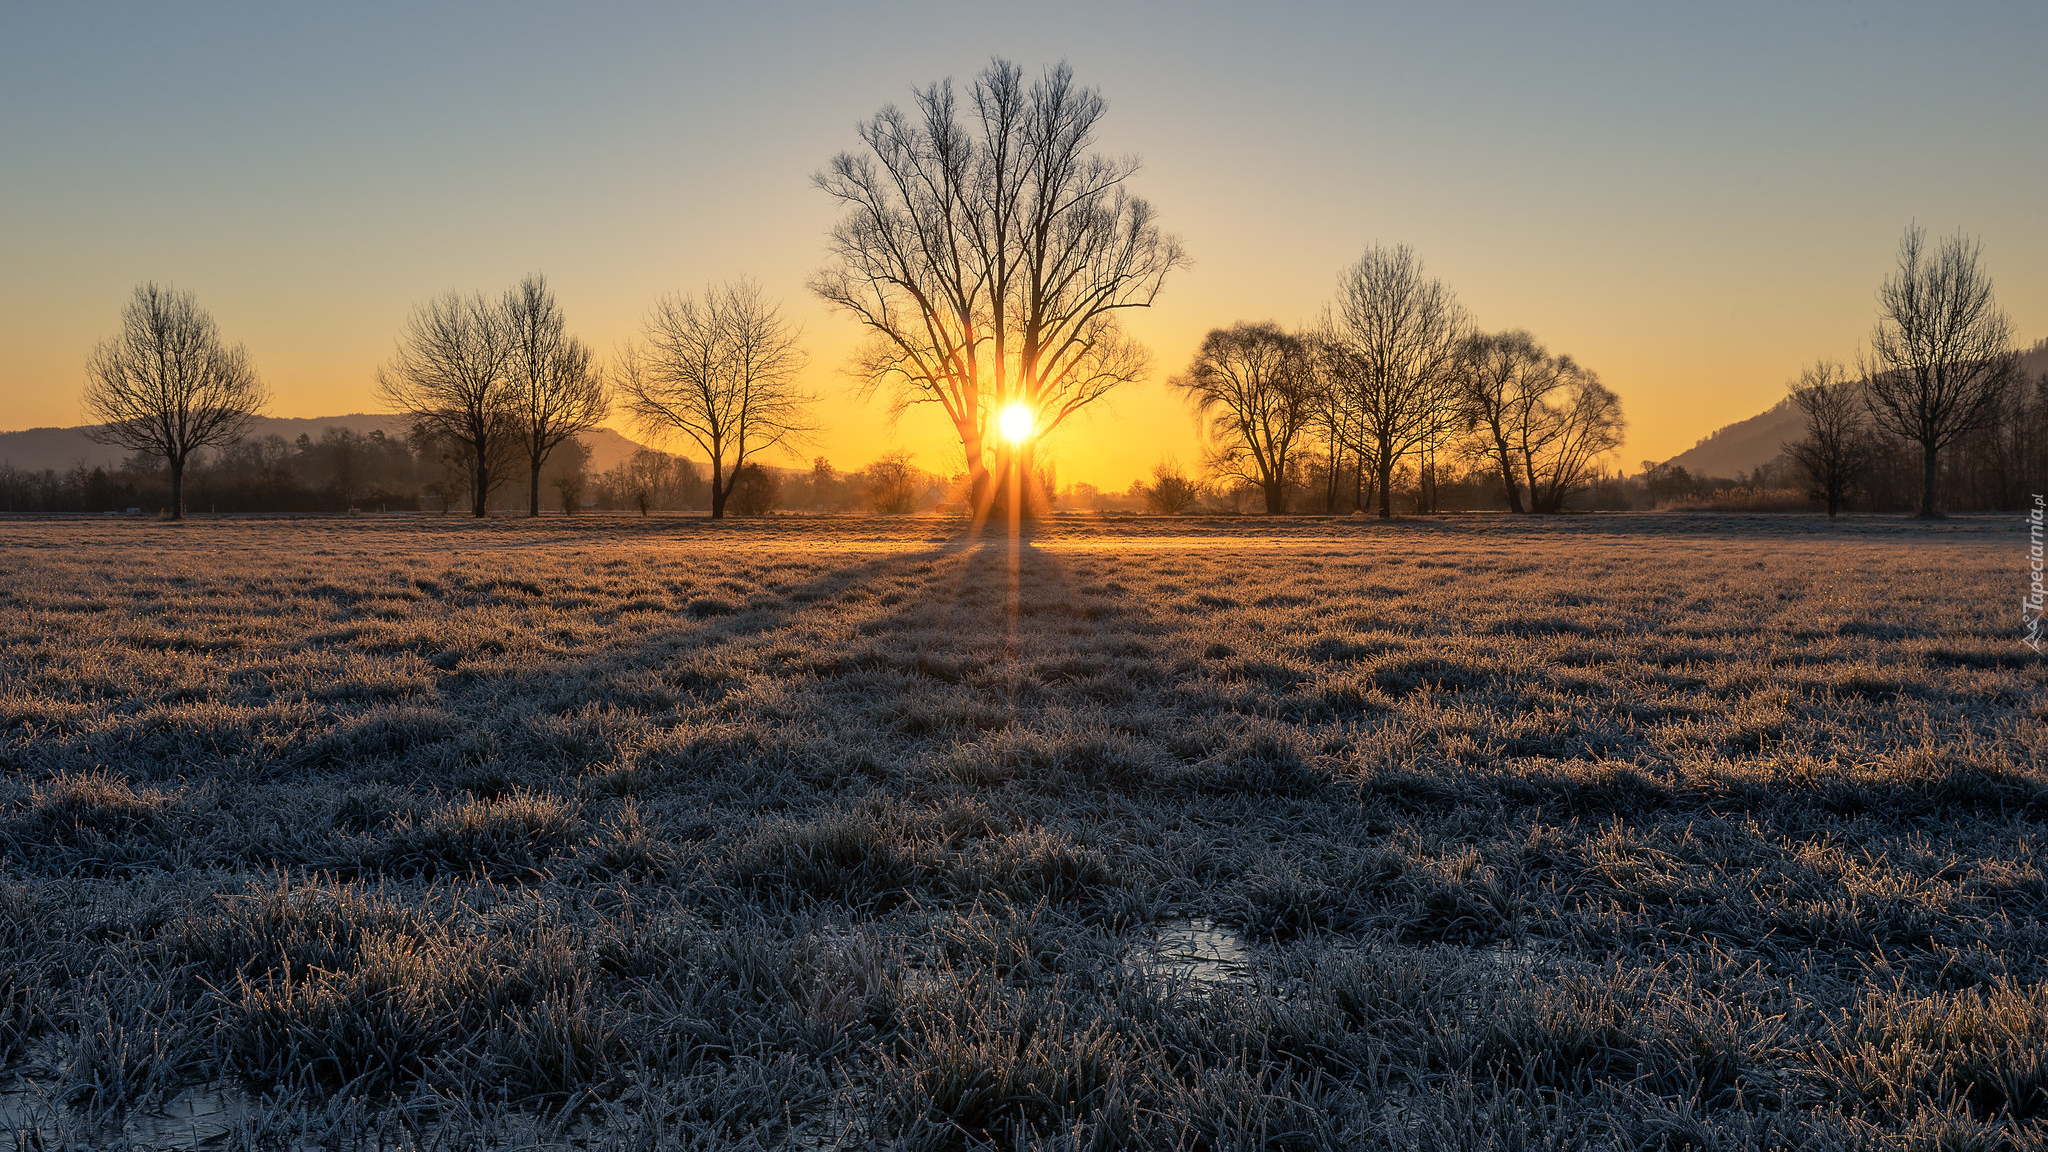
{"type": "Point", "coordinates": [1609, 831]}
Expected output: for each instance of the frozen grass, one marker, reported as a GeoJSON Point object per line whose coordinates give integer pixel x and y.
{"type": "Point", "coordinates": [1632, 832]}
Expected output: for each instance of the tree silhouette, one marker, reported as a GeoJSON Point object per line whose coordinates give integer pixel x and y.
{"type": "Point", "coordinates": [989, 251]}
{"type": "Point", "coordinates": [1254, 385]}
{"type": "Point", "coordinates": [168, 386]}
{"type": "Point", "coordinates": [1391, 346]}
{"type": "Point", "coordinates": [721, 370]}
{"type": "Point", "coordinates": [1836, 451]}
{"type": "Point", "coordinates": [552, 389]}
{"type": "Point", "coordinates": [448, 378]}
{"type": "Point", "coordinates": [1942, 356]}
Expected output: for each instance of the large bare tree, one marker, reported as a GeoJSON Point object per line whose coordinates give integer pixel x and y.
{"type": "Point", "coordinates": [722, 371]}
{"type": "Point", "coordinates": [449, 378]}
{"type": "Point", "coordinates": [1392, 342]}
{"type": "Point", "coordinates": [168, 386]}
{"type": "Point", "coordinates": [553, 391]}
{"type": "Point", "coordinates": [1942, 357]}
{"type": "Point", "coordinates": [989, 251]}
{"type": "Point", "coordinates": [1254, 386]}
{"type": "Point", "coordinates": [1836, 450]}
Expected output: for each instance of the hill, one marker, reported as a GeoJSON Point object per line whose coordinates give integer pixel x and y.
{"type": "Point", "coordinates": [36, 449]}
{"type": "Point", "coordinates": [1746, 444]}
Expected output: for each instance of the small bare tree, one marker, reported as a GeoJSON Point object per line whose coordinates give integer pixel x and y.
{"type": "Point", "coordinates": [1392, 341]}
{"type": "Point", "coordinates": [1171, 492]}
{"type": "Point", "coordinates": [449, 379]}
{"type": "Point", "coordinates": [168, 386]}
{"type": "Point", "coordinates": [552, 389]}
{"type": "Point", "coordinates": [1836, 451]}
{"type": "Point", "coordinates": [892, 484]}
{"type": "Point", "coordinates": [989, 251]}
{"type": "Point", "coordinates": [1255, 388]}
{"type": "Point", "coordinates": [1503, 382]}
{"type": "Point", "coordinates": [1942, 357]}
{"type": "Point", "coordinates": [1569, 436]}
{"type": "Point", "coordinates": [569, 473]}
{"type": "Point", "coordinates": [721, 370]}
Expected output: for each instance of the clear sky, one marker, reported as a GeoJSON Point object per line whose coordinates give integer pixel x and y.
{"type": "Point", "coordinates": [1692, 199]}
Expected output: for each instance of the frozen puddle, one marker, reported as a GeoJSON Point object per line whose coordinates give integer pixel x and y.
{"type": "Point", "coordinates": [1197, 953]}
{"type": "Point", "coordinates": [194, 1119]}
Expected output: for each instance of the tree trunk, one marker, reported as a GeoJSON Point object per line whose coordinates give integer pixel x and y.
{"type": "Point", "coordinates": [1507, 478]}
{"type": "Point", "coordinates": [1927, 473]}
{"type": "Point", "coordinates": [1276, 497]}
{"type": "Point", "coordinates": [533, 492]}
{"type": "Point", "coordinates": [719, 488]}
{"type": "Point", "coordinates": [1012, 486]}
{"type": "Point", "coordinates": [177, 489]}
{"type": "Point", "coordinates": [482, 486]}
{"type": "Point", "coordinates": [1386, 482]}
{"type": "Point", "coordinates": [986, 487]}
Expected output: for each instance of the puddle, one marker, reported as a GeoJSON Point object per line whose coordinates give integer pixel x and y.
{"type": "Point", "coordinates": [27, 1120]}
{"type": "Point", "coordinates": [1194, 953]}
{"type": "Point", "coordinates": [193, 1119]}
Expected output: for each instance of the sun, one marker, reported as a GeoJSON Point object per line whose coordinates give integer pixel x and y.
{"type": "Point", "coordinates": [1014, 422]}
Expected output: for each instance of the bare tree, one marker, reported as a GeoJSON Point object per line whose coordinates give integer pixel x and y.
{"type": "Point", "coordinates": [722, 371]}
{"type": "Point", "coordinates": [1392, 339]}
{"type": "Point", "coordinates": [168, 386]}
{"type": "Point", "coordinates": [1503, 382]}
{"type": "Point", "coordinates": [1255, 388]}
{"type": "Point", "coordinates": [568, 473]}
{"type": "Point", "coordinates": [1837, 450]}
{"type": "Point", "coordinates": [892, 484]}
{"type": "Point", "coordinates": [552, 390]}
{"type": "Point", "coordinates": [449, 379]}
{"type": "Point", "coordinates": [1942, 357]}
{"type": "Point", "coordinates": [1567, 438]}
{"type": "Point", "coordinates": [1171, 492]}
{"type": "Point", "coordinates": [988, 251]}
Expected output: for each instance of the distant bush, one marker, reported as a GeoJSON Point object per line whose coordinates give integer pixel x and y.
{"type": "Point", "coordinates": [755, 491]}
{"type": "Point", "coordinates": [1741, 500]}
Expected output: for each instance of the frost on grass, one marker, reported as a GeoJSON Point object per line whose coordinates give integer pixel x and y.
{"type": "Point", "coordinates": [1605, 832]}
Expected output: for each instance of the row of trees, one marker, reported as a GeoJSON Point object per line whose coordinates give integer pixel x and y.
{"type": "Point", "coordinates": [1396, 371]}
{"type": "Point", "coordinates": [488, 381]}
{"type": "Point", "coordinates": [488, 385]}
{"type": "Point", "coordinates": [1941, 377]}
{"type": "Point", "coordinates": [347, 470]}
{"type": "Point", "coordinates": [499, 381]}
{"type": "Point", "coordinates": [989, 252]}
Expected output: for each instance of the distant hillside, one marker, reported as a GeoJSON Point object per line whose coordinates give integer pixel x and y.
{"type": "Point", "coordinates": [1743, 445]}
{"type": "Point", "coordinates": [35, 449]}
{"type": "Point", "coordinates": [1746, 444]}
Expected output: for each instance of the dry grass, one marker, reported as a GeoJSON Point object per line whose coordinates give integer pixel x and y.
{"type": "Point", "coordinates": [1632, 832]}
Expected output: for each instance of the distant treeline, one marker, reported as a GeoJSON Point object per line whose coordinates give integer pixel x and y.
{"type": "Point", "coordinates": [345, 470]}
{"type": "Point", "coordinates": [1996, 467]}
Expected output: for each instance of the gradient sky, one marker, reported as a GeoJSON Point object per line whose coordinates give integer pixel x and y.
{"type": "Point", "coordinates": [1691, 199]}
